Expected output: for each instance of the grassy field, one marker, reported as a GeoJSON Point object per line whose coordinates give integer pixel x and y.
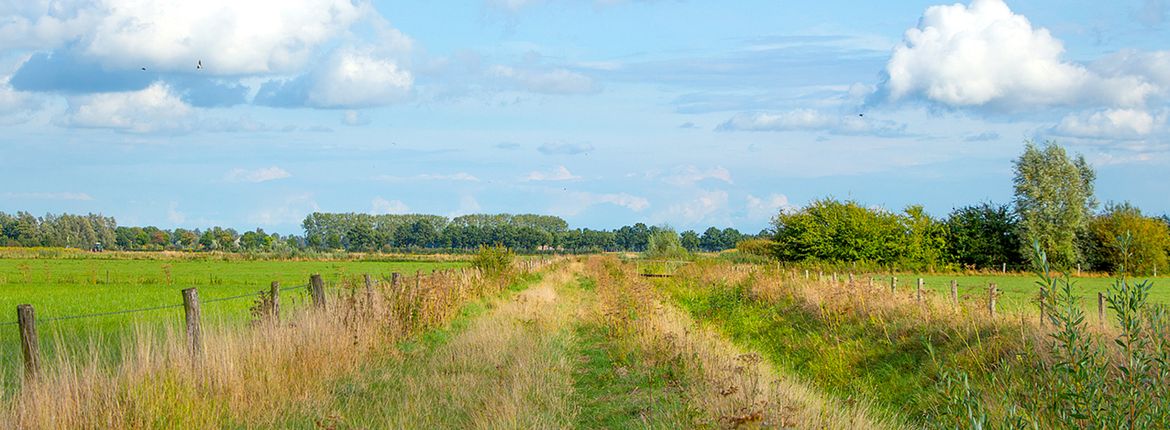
{"type": "Point", "coordinates": [1017, 292]}
{"type": "Point", "coordinates": [59, 287]}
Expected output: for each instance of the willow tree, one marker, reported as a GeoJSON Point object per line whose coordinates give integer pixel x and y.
{"type": "Point", "coordinates": [1054, 201]}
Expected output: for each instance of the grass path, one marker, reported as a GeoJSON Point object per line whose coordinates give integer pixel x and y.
{"type": "Point", "coordinates": [508, 367]}
{"type": "Point", "coordinates": [546, 357]}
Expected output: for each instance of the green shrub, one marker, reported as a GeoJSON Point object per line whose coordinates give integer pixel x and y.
{"type": "Point", "coordinates": [664, 244]}
{"type": "Point", "coordinates": [493, 260]}
{"type": "Point", "coordinates": [757, 247]}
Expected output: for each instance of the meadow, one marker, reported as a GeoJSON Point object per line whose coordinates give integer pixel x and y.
{"type": "Point", "coordinates": [65, 285]}
{"type": "Point", "coordinates": [582, 342]}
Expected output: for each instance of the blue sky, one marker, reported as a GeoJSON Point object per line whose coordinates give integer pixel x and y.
{"type": "Point", "coordinates": [604, 112]}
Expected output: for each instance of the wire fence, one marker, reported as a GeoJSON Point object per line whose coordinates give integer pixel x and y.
{"type": "Point", "coordinates": [148, 309]}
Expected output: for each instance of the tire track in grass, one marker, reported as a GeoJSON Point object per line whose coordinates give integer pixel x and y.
{"type": "Point", "coordinates": [509, 368]}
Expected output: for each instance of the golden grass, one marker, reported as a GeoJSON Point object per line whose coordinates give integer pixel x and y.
{"type": "Point", "coordinates": [250, 377]}
{"type": "Point", "coordinates": [734, 386]}
{"type": "Point", "coordinates": [508, 369]}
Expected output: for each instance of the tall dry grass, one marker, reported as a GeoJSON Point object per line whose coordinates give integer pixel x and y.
{"type": "Point", "coordinates": [243, 377]}
{"type": "Point", "coordinates": [509, 368]}
{"type": "Point", "coordinates": [736, 387]}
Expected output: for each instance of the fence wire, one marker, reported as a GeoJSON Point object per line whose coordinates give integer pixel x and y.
{"type": "Point", "coordinates": [148, 309]}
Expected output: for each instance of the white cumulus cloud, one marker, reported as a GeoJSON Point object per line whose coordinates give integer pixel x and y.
{"type": "Point", "coordinates": [258, 175]}
{"type": "Point", "coordinates": [154, 109]}
{"type": "Point", "coordinates": [359, 78]}
{"type": "Point", "coordinates": [230, 37]}
{"type": "Point", "coordinates": [1111, 124]}
{"type": "Point", "coordinates": [983, 54]}
{"type": "Point", "coordinates": [560, 173]}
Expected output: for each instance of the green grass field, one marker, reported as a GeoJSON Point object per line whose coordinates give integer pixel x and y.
{"type": "Point", "coordinates": [64, 287]}
{"type": "Point", "coordinates": [1016, 291]}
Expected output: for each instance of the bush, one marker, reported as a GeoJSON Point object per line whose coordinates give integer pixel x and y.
{"type": "Point", "coordinates": [1150, 241]}
{"type": "Point", "coordinates": [830, 230]}
{"type": "Point", "coordinates": [664, 244]}
{"type": "Point", "coordinates": [757, 247]}
{"type": "Point", "coordinates": [983, 236]}
{"type": "Point", "coordinates": [493, 260]}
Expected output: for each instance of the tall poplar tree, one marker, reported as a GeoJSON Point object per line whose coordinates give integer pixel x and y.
{"type": "Point", "coordinates": [1054, 201]}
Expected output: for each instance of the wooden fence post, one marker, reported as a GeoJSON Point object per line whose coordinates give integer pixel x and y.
{"type": "Point", "coordinates": [991, 293]}
{"type": "Point", "coordinates": [394, 280]}
{"type": "Point", "coordinates": [806, 274]}
{"type": "Point", "coordinates": [274, 292]}
{"type": "Point", "coordinates": [1101, 308]}
{"type": "Point", "coordinates": [955, 293]}
{"type": "Point", "coordinates": [893, 284]}
{"type": "Point", "coordinates": [30, 347]}
{"type": "Point", "coordinates": [194, 329]}
{"type": "Point", "coordinates": [871, 282]}
{"type": "Point", "coordinates": [317, 290]}
{"type": "Point", "coordinates": [369, 292]}
{"type": "Point", "coordinates": [918, 291]}
{"type": "Point", "coordinates": [851, 280]}
{"type": "Point", "coordinates": [1004, 271]}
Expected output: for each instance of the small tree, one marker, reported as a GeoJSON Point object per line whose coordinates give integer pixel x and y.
{"type": "Point", "coordinates": [1054, 200]}
{"type": "Point", "coordinates": [984, 235]}
{"type": "Point", "coordinates": [664, 243]}
{"type": "Point", "coordinates": [1147, 247]}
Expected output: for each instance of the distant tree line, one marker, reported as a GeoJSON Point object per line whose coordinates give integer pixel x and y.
{"type": "Point", "coordinates": [1054, 207]}
{"type": "Point", "coordinates": [353, 232]}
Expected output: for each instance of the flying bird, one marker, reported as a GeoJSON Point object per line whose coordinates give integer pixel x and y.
{"type": "Point", "coordinates": [199, 65]}
{"type": "Point", "coordinates": [861, 115]}
{"type": "Point", "coordinates": [143, 69]}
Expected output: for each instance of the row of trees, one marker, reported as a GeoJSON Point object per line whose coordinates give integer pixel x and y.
{"type": "Point", "coordinates": [1053, 207]}
{"type": "Point", "coordinates": [364, 232]}
{"type": "Point", "coordinates": [351, 232]}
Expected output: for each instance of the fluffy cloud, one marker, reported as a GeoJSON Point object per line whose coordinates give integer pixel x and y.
{"type": "Point", "coordinates": [150, 110]}
{"type": "Point", "coordinates": [230, 37]}
{"type": "Point", "coordinates": [812, 120]}
{"type": "Point", "coordinates": [766, 207]}
{"type": "Point", "coordinates": [554, 81]}
{"type": "Point", "coordinates": [349, 78]}
{"type": "Point", "coordinates": [14, 102]}
{"type": "Point", "coordinates": [316, 53]}
{"type": "Point", "coordinates": [983, 54]}
{"type": "Point", "coordinates": [560, 173]}
{"type": "Point", "coordinates": [258, 175]}
{"type": "Point", "coordinates": [1111, 124]}
{"type": "Point", "coordinates": [382, 206]}
{"type": "Point", "coordinates": [359, 78]}
{"type": "Point", "coordinates": [689, 175]}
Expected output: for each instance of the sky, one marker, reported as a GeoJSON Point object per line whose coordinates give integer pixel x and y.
{"type": "Point", "coordinates": [255, 113]}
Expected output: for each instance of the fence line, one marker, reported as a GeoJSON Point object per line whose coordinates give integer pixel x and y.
{"type": "Point", "coordinates": [146, 309]}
